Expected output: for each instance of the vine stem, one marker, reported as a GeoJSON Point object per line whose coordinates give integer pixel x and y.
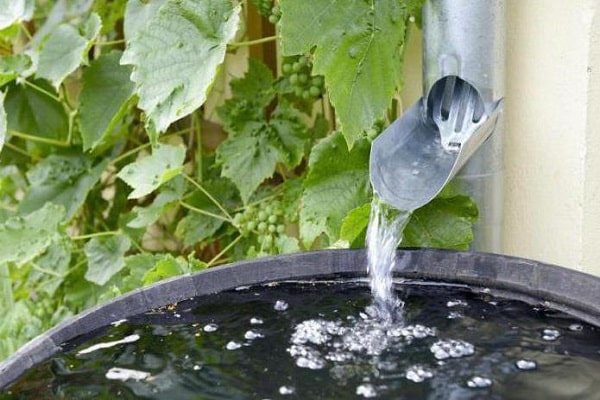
{"type": "Point", "coordinates": [6, 286]}
{"type": "Point", "coordinates": [19, 150]}
{"type": "Point", "coordinates": [26, 31]}
{"type": "Point", "coordinates": [143, 146]}
{"type": "Point", "coordinates": [215, 201]}
{"type": "Point", "coordinates": [225, 250]}
{"type": "Point", "coordinates": [129, 153]}
{"type": "Point", "coordinates": [8, 208]}
{"type": "Point", "coordinates": [110, 42]}
{"type": "Point", "coordinates": [203, 212]}
{"type": "Point", "coordinates": [42, 90]}
{"type": "Point", "coordinates": [46, 271]}
{"type": "Point", "coordinates": [255, 41]}
{"type": "Point", "coordinates": [38, 139]}
{"type": "Point", "coordinates": [97, 234]}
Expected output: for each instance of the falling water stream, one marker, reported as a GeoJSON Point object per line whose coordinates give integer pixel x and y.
{"type": "Point", "coordinates": [384, 233]}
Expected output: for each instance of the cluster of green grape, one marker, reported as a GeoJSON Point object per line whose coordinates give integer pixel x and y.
{"type": "Point", "coordinates": [263, 6]}
{"type": "Point", "coordinates": [266, 8]}
{"type": "Point", "coordinates": [297, 70]}
{"type": "Point", "coordinates": [275, 15]}
{"type": "Point", "coordinates": [264, 220]}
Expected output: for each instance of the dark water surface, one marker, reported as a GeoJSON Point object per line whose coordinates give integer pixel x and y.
{"type": "Point", "coordinates": [318, 341]}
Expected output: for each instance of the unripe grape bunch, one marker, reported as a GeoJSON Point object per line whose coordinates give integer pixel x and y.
{"type": "Point", "coordinates": [264, 7]}
{"type": "Point", "coordinates": [267, 9]}
{"type": "Point", "coordinates": [264, 221]}
{"type": "Point", "coordinates": [297, 70]}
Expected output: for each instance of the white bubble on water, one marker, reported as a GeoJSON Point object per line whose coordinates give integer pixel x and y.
{"type": "Point", "coordinates": [418, 373]}
{"type": "Point", "coordinates": [366, 390]}
{"type": "Point", "coordinates": [286, 390]}
{"type": "Point", "coordinates": [411, 332]}
{"type": "Point", "coordinates": [281, 305]}
{"type": "Point", "coordinates": [307, 357]}
{"type": "Point", "coordinates": [310, 363]}
{"type": "Point", "coordinates": [443, 349]}
{"type": "Point", "coordinates": [526, 365]}
{"type": "Point", "coordinates": [456, 303]}
{"type": "Point", "coordinates": [210, 327]}
{"type": "Point", "coordinates": [313, 331]}
{"type": "Point", "coordinates": [233, 345]}
{"type": "Point", "coordinates": [479, 382]}
{"type": "Point", "coordinates": [252, 334]}
{"type": "Point", "coordinates": [455, 315]}
{"type": "Point", "coordinates": [550, 334]}
{"type": "Point", "coordinates": [576, 327]}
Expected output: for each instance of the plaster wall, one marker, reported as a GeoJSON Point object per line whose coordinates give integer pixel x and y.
{"type": "Point", "coordinates": [552, 171]}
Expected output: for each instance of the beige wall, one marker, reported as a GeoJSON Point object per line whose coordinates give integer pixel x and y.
{"type": "Point", "coordinates": [552, 132]}
{"type": "Point", "coordinates": [552, 201]}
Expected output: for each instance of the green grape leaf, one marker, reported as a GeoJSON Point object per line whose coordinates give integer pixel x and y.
{"type": "Point", "coordinates": [70, 11]}
{"type": "Point", "coordinates": [149, 173]}
{"type": "Point", "coordinates": [105, 97]}
{"type": "Point", "coordinates": [354, 226]}
{"type": "Point", "coordinates": [250, 156]}
{"type": "Point", "coordinates": [446, 222]}
{"type": "Point", "coordinates": [256, 85]}
{"type": "Point", "coordinates": [175, 57]}
{"type": "Point", "coordinates": [51, 267]}
{"type": "Point", "coordinates": [287, 244]}
{"type": "Point", "coordinates": [194, 228]}
{"type": "Point", "coordinates": [136, 266]}
{"type": "Point", "coordinates": [110, 12]}
{"type": "Point", "coordinates": [199, 225]}
{"type": "Point", "coordinates": [65, 50]}
{"type": "Point", "coordinates": [12, 11]}
{"type": "Point", "coordinates": [251, 94]}
{"type": "Point", "coordinates": [105, 257]}
{"type": "Point", "coordinates": [2, 121]}
{"type": "Point", "coordinates": [25, 238]}
{"type": "Point", "coordinates": [145, 216]}
{"type": "Point", "coordinates": [12, 67]}
{"type": "Point", "coordinates": [337, 182]}
{"type": "Point", "coordinates": [34, 113]}
{"type": "Point", "coordinates": [358, 47]}
{"type": "Point", "coordinates": [62, 179]}
{"type": "Point", "coordinates": [169, 267]}
{"type": "Point", "coordinates": [137, 15]}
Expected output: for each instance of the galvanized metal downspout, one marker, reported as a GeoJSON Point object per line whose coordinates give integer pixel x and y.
{"type": "Point", "coordinates": [466, 38]}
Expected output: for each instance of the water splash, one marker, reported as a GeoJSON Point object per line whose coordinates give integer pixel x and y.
{"type": "Point", "coordinates": [383, 237]}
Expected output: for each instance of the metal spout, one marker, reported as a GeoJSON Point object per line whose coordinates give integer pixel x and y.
{"type": "Point", "coordinates": [447, 134]}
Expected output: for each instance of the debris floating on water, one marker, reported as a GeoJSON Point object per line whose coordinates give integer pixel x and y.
{"type": "Point", "coordinates": [124, 374]}
{"type": "Point", "coordinates": [106, 345]}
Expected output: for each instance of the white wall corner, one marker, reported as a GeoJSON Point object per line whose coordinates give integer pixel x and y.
{"type": "Point", "coordinates": [548, 168]}
{"type": "Point", "coordinates": [591, 208]}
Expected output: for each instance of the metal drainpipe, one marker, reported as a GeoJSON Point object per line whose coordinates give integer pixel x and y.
{"type": "Point", "coordinates": [466, 38]}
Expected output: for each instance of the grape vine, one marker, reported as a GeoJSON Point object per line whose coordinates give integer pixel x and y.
{"type": "Point", "coordinates": [131, 152]}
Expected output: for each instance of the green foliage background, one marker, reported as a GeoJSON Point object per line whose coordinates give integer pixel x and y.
{"type": "Point", "coordinates": [139, 141]}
